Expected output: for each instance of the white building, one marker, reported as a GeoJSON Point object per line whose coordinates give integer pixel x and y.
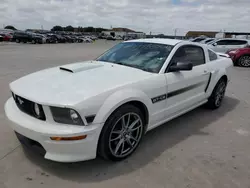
{"type": "Point", "coordinates": [124, 32]}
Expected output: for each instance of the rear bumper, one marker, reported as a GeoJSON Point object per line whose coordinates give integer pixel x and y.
{"type": "Point", "coordinates": [34, 132]}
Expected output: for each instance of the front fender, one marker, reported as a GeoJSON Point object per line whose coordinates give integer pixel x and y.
{"type": "Point", "coordinates": [119, 98]}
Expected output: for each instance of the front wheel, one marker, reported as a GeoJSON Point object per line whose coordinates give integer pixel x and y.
{"type": "Point", "coordinates": [121, 133]}
{"type": "Point", "coordinates": [244, 61]}
{"type": "Point", "coordinates": [217, 96]}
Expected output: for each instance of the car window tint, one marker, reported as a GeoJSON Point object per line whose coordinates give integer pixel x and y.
{"type": "Point", "coordinates": [231, 42]}
{"type": "Point", "coordinates": [198, 40]}
{"type": "Point", "coordinates": [239, 42]}
{"type": "Point", "coordinates": [223, 42]}
{"type": "Point", "coordinates": [192, 54]}
{"type": "Point", "coordinates": [212, 56]}
{"type": "Point", "coordinates": [208, 40]}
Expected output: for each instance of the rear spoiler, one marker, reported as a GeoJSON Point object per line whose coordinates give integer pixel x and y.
{"type": "Point", "coordinates": [223, 55]}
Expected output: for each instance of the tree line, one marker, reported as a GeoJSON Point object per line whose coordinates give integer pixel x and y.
{"type": "Point", "coordinates": [69, 28]}
{"type": "Point", "coordinates": [78, 29]}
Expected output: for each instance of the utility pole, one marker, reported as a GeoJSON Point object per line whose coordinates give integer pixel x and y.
{"type": "Point", "coordinates": [175, 32]}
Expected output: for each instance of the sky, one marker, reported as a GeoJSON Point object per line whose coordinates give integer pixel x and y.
{"type": "Point", "coordinates": [157, 16]}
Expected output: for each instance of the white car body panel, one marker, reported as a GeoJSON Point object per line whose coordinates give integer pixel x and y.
{"type": "Point", "coordinates": [99, 88]}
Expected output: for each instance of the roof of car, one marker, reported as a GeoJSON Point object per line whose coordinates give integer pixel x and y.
{"type": "Point", "coordinates": [158, 41]}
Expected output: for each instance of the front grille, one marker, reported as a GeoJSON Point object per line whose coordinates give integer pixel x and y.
{"type": "Point", "coordinates": [27, 107]}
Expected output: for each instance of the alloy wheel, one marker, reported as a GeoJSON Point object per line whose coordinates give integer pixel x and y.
{"type": "Point", "coordinates": [220, 93]}
{"type": "Point", "coordinates": [245, 61]}
{"type": "Point", "coordinates": [125, 135]}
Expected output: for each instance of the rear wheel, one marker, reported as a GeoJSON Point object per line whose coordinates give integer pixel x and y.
{"type": "Point", "coordinates": [121, 133]}
{"type": "Point", "coordinates": [244, 61]}
{"type": "Point", "coordinates": [217, 96]}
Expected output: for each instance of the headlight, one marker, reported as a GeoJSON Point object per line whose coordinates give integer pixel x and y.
{"type": "Point", "coordinates": [66, 116]}
{"type": "Point", "coordinates": [232, 52]}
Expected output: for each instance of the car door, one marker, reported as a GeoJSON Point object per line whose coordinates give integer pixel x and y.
{"type": "Point", "coordinates": [186, 88]}
{"type": "Point", "coordinates": [220, 45]}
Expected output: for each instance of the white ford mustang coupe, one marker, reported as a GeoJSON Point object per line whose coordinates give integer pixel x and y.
{"type": "Point", "coordinates": [105, 106]}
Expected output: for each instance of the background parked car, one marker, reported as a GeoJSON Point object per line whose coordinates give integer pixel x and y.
{"type": "Point", "coordinates": [240, 57]}
{"type": "Point", "coordinates": [69, 39]}
{"type": "Point", "coordinates": [118, 37]}
{"type": "Point", "coordinates": [6, 36]}
{"type": "Point", "coordinates": [198, 39]}
{"type": "Point", "coordinates": [111, 38]}
{"type": "Point", "coordinates": [1, 38]}
{"type": "Point", "coordinates": [87, 40]}
{"type": "Point", "coordinates": [223, 45]}
{"type": "Point", "coordinates": [59, 38]}
{"type": "Point", "coordinates": [27, 37]}
{"type": "Point", "coordinates": [44, 38]}
{"type": "Point", "coordinates": [51, 38]}
{"type": "Point", "coordinates": [207, 40]}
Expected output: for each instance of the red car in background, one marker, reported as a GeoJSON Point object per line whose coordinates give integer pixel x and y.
{"type": "Point", "coordinates": [240, 57]}
{"type": "Point", "coordinates": [6, 36]}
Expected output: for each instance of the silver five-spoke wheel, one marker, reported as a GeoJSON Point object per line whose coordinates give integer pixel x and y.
{"type": "Point", "coordinates": [125, 135]}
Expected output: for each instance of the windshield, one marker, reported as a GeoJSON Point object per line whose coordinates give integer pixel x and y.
{"type": "Point", "coordinates": [145, 56]}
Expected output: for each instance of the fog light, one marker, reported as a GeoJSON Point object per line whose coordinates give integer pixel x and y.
{"type": "Point", "coordinates": [37, 110]}
{"type": "Point", "coordinates": [68, 138]}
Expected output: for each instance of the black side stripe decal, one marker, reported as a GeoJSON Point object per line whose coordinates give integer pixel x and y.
{"type": "Point", "coordinates": [183, 90]}
{"type": "Point", "coordinates": [176, 92]}
{"type": "Point", "coordinates": [209, 80]}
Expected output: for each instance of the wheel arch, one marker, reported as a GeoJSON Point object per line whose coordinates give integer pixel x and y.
{"type": "Point", "coordinates": [136, 97]}
{"type": "Point", "coordinates": [215, 77]}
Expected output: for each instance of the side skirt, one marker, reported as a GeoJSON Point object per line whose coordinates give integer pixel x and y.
{"type": "Point", "coordinates": [176, 115]}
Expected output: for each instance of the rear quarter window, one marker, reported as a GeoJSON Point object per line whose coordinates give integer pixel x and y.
{"type": "Point", "coordinates": [212, 56]}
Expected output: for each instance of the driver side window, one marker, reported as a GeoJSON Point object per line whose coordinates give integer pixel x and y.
{"type": "Point", "coordinates": [189, 53]}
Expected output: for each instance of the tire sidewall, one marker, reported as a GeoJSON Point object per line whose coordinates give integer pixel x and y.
{"type": "Point", "coordinates": [212, 99]}
{"type": "Point", "coordinates": [103, 145]}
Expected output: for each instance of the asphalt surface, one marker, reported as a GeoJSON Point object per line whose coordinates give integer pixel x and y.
{"type": "Point", "coordinates": [202, 148]}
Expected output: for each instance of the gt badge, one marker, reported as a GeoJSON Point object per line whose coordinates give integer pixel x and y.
{"type": "Point", "coordinates": [159, 98]}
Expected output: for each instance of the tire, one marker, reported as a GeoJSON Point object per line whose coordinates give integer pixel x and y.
{"type": "Point", "coordinates": [244, 61]}
{"type": "Point", "coordinates": [216, 98]}
{"type": "Point", "coordinates": [17, 41]}
{"type": "Point", "coordinates": [119, 139]}
{"type": "Point", "coordinates": [33, 41]}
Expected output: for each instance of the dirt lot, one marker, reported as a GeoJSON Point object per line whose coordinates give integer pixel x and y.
{"type": "Point", "coordinates": [200, 149]}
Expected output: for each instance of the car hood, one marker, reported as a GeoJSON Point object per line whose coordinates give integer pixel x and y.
{"type": "Point", "coordinates": [70, 84]}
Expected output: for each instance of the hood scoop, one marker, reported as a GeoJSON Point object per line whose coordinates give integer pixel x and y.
{"type": "Point", "coordinates": [79, 67]}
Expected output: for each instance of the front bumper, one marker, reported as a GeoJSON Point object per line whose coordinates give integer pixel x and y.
{"type": "Point", "coordinates": [41, 131]}
{"type": "Point", "coordinates": [233, 57]}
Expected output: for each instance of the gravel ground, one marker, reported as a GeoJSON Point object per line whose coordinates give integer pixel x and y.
{"type": "Point", "coordinates": [200, 149]}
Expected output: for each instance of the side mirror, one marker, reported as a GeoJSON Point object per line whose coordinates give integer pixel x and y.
{"type": "Point", "coordinates": [181, 66]}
